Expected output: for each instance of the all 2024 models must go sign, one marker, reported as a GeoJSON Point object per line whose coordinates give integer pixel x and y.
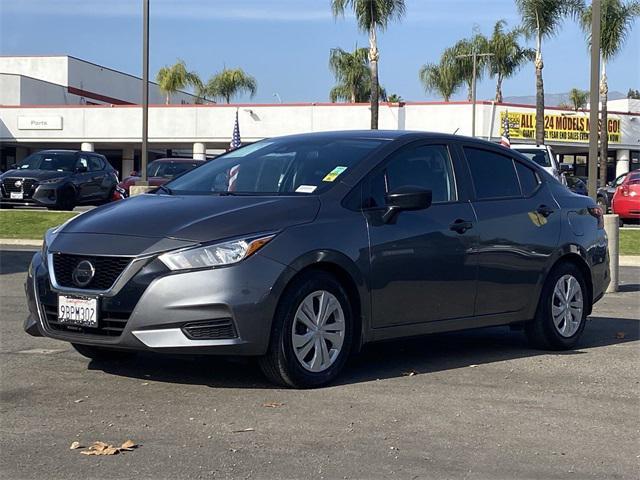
{"type": "Point", "coordinates": [560, 128]}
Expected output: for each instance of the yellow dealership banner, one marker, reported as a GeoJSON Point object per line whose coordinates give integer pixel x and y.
{"type": "Point", "coordinates": [559, 128]}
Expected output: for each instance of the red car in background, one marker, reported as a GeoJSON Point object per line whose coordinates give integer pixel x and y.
{"type": "Point", "coordinates": [626, 200]}
{"type": "Point", "coordinates": [159, 172]}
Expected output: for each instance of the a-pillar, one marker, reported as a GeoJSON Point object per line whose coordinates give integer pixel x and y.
{"type": "Point", "coordinates": [127, 161]}
{"type": "Point", "coordinates": [199, 151]}
{"type": "Point", "coordinates": [86, 147]}
{"type": "Point", "coordinates": [622, 162]}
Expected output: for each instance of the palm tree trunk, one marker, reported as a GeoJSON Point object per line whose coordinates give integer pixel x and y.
{"type": "Point", "coordinates": [604, 127]}
{"type": "Point", "coordinates": [375, 88]}
{"type": "Point", "coordinates": [499, 88]}
{"type": "Point", "coordinates": [168, 99]}
{"type": "Point", "coordinates": [539, 93]}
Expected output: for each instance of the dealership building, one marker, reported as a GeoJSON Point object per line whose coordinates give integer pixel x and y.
{"type": "Point", "coordinates": [65, 102]}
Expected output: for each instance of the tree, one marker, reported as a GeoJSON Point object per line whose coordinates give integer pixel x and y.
{"type": "Point", "coordinates": [508, 55]}
{"type": "Point", "coordinates": [460, 56]}
{"type": "Point", "coordinates": [633, 94]}
{"type": "Point", "coordinates": [617, 18]}
{"type": "Point", "coordinates": [372, 15]}
{"type": "Point", "coordinates": [175, 78]}
{"type": "Point", "coordinates": [229, 83]}
{"type": "Point", "coordinates": [578, 99]}
{"type": "Point", "coordinates": [441, 78]}
{"type": "Point", "coordinates": [351, 70]}
{"type": "Point", "coordinates": [541, 19]}
{"type": "Point", "coordinates": [395, 98]}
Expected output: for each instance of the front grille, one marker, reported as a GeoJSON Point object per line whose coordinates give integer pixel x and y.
{"type": "Point", "coordinates": [110, 324]}
{"type": "Point", "coordinates": [28, 186]}
{"type": "Point", "coordinates": [210, 330]}
{"type": "Point", "coordinates": [107, 270]}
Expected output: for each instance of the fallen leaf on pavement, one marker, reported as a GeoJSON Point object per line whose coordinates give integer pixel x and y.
{"type": "Point", "coordinates": [620, 335]}
{"type": "Point", "coordinates": [273, 404]}
{"type": "Point", "coordinates": [102, 448]}
{"type": "Point", "coordinates": [244, 430]}
{"type": "Point", "coordinates": [75, 445]}
{"type": "Point", "coordinates": [410, 373]}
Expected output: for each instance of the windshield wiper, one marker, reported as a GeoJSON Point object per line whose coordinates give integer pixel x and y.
{"type": "Point", "coordinates": [166, 189]}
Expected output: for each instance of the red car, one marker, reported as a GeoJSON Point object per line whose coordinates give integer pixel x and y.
{"type": "Point", "coordinates": [159, 172]}
{"type": "Point", "coordinates": [626, 200]}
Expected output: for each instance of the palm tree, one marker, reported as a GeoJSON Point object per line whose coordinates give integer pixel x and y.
{"type": "Point", "coordinates": [395, 98]}
{"type": "Point", "coordinates": [372, 15]}
{"type": "Point", "coordinates": [441, 78]}
{"type": "Point", "coordinates": [508, 55]}
{"type": "Point", "coordinates": [460, 55]}
{"type": "Point", "coordinates": [351, 70]}
{"type": "Point", "coordinates": [175, 78]}
{"type": "Point", "coordinates": [231, 82]}
{"type": "Point", "coordinates": [617, 18]}
{"type": "Point", "coordinates": [578, 98]}
{"type": "Point", "coordinates": [542, 18]}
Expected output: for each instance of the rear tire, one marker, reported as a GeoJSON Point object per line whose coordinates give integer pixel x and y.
{"type": "Point", "coordinates": [562, 311]}
{"type": "Point", "coordinates": [101, 353]}
{"type": "Point", "coordinates": [316, 314]}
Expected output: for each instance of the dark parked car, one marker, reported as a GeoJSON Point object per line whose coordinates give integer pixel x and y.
{"type": "Point", "coordinates": [605, 194]}
{"type": "Point", "coordinates": [577, 185]}
{"type": "Point", "coordinates": [58, 180]}
{"type": "Point", "coordinates": [301, 249]}
{"type": "Point", "coordinates": [159, 172]}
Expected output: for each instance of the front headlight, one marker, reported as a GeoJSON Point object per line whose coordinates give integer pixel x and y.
{"type": "Point", "coordinates": [225, 253]}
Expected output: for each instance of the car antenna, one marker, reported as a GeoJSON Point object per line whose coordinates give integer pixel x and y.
{"type": "Point", "coordinates": [455, 131]}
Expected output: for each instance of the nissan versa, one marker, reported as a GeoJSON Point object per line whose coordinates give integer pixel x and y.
{"type": "Point", "coordinates": [301, 249]}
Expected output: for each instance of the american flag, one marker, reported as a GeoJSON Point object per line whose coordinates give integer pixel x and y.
{"type": "Point", "coordinates": [235, 139]}
{"type": "Point", "coordinates": [505, 139]}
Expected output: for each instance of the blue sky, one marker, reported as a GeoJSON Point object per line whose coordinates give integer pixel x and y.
{"type": "Point", "coordinates": [285, 43]}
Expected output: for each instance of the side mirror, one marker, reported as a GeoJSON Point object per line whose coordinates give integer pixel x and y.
{"type": "Point", "coordinates": [566, 168]}
{"type": "Point", "coordinates": [406, 198]}
{"type": "Point", "coordinates": [81, 169]}
{"type": "Point", "coordinates": [13, 166]}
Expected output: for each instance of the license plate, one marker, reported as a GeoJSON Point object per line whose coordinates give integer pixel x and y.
{"type": "Point", "coordinates": [78, 310]}
{"type": "Point", "coordinates": [17, 195]}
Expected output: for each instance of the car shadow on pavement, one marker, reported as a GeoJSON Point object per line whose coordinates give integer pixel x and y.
{"type": "Point", "coordinates": [415, 356]}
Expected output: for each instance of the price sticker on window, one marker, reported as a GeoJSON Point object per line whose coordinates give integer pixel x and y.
{"type": "Point", "coordinates": [333, 174]}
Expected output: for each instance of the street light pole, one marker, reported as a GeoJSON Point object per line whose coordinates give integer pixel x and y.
{"type": "Point", "coordinates": [592, 184]}
{"type": "Point", "coordinates": [474, 56]}
{"type": "Point", "coordinates": [145, 89]}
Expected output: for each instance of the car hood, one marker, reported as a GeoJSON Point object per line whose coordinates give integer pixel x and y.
{"type": "Point", "coordinates": [195, 218]}
{"type": "Point", "coordinates": [37, 174]}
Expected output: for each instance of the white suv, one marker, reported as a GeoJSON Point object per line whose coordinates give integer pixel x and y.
{"type": "Point", "coordinates": [543, 155]}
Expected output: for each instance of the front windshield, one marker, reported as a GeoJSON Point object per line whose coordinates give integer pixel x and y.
{"type": "Point", "coordinates": [539, 156]}
{"type": "Point", "coordinates": [281, 166]}
{"type": "Point", "coordinates": [55, 161]}
{"type": "Point", "coordinates": [169, 169]}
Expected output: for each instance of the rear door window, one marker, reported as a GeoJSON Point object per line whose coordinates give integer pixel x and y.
{"type": "Point", "coordinates": [95, 164]}
{"type": "Point", "coordinates": [494, 175]}
{"type": "Point", "coordinates": [529, 180]}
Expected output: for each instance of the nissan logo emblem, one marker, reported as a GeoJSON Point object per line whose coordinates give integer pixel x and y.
{"type": "Point", "coordinates": [18, 184]}
{"type": "Point", "coordinates": [83, 273]}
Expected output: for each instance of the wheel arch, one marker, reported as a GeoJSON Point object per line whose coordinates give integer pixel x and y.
{"type": "Point", "coordinates": [348, 274]}
{"type": "Point", "coordinates": [575, 255]}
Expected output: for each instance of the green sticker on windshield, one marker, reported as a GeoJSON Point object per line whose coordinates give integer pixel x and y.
{"type": "Point", "coordinates": [333, 174]}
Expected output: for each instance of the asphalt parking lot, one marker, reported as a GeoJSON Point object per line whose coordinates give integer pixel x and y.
{"type": "Point", "coordinates": [470, 405]}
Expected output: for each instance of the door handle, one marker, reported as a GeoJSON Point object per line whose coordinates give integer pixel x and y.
{"type": "Point", "coordinates": [544, 210]}
{"type": "Point", "coordinates": [461, 226]}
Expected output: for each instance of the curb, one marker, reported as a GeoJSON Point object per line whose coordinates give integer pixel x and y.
{"type": "Point", "coordinates": [20, 242]}
{"type": "Point", "coordinates": [629, 260]}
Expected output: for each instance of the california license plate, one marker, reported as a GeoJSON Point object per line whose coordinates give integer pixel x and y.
{"type": "Point", "coordinates": [17, 195]}
{"type": "Point", "coordinates": [78, 310]}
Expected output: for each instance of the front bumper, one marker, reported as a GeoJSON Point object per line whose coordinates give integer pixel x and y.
{"type": "Point", "coordinates": [43, 196]}
{"type": "Point", "coordinates": [161, 308]}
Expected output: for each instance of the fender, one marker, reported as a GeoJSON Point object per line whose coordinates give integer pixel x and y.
{"type": "Point", "coordinates": [330, 259]}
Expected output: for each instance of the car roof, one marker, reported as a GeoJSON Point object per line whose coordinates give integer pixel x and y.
{"type": "Point", "coordinates": [528, 146]}
{"type": "Point", "coordinates": [178, 159]}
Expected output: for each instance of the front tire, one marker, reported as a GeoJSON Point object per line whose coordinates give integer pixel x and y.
{"type": "Point", "coordinates": [311, 335]}
{"type": "Point", "coordinates": [101, 353]}
{"type": "Point", "coordinates": [562, 312]}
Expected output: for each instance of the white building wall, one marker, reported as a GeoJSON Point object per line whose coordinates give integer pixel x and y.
{"type": "Point", "coordinates": [49, 69]}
